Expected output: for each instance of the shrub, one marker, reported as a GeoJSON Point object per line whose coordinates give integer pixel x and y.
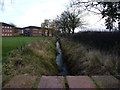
{"type": "Point", "coordinates": [82, 60]}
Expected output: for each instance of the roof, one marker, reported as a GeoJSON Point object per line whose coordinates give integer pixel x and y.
{"type": "Point", "coordinates": [5, 24]}
{"type": "Point", "coordinates": [18, 28]}
{"type": "Point", "coordinates": [33, 27]}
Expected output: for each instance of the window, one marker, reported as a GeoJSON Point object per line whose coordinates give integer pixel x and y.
{"type": "Point", "coordinates": [2, 26]}
{"type": "Point", "coordinates": [27, 29]}
{"type": "Point", "coordinates": [2, 34]}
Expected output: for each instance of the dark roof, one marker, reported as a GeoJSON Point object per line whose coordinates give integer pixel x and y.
{"type": "Point", "coordinates": [33, 27]}
{"type": "Point", "coordinates": [5, 24]}
{"type": "Point", "coordinates": [18, 28]}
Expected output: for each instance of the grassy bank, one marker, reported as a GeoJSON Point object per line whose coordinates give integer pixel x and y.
{"type": "Point", "coordinates": [10, 43]}
{"type": "Point", "coordinates": [82, 60]}
{"type": "Point", "coordinates": [35, 59]}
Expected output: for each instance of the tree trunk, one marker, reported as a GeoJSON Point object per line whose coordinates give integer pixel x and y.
{"type": "Point", "coordinates": [119, 25]}
{"type": "Point", "coordinates": [73, 31]}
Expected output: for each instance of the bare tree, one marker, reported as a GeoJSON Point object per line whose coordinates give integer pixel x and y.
{"type": "Point", "coordinates": [108, 10]}
{"type": "Point", "coordinates": [69, 21]}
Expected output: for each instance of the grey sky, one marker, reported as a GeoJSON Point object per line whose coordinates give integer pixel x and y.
{"type": "Point", "coordinates": [33, 12]}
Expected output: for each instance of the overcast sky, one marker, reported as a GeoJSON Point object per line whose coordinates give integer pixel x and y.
{"type": "Point", "coordinates": [33, 12]}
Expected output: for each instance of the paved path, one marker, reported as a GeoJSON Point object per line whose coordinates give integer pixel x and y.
{"type": "Point", "coordinates": [66, 82]}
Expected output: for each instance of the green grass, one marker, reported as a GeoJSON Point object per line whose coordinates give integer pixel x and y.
{"type": "Point", "coordinates": [10, 43]}
{"type": "Point", "coordinates": [35, 59]}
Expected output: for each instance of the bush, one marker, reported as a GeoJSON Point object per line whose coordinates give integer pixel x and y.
{"type": "Point", "coordinates": [84, 61]}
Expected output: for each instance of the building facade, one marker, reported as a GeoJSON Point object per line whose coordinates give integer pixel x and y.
{"type": "Point", "coordinates": [7, 30]}
{"type": "Point", "coordinates": [37, 31]}
{"type": "Point", "coordinates": [18, 31]}
{"type": "Point", "coordinates": [32, 31]}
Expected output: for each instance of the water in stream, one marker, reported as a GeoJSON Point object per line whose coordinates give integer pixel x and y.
{"type": "Point", "coordinates": [61, 65]}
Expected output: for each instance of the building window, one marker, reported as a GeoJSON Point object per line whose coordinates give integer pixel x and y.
{"type": "Point", "coordinates": [2, 34]}
{"type": "Point", "coordinates": [2, 26]}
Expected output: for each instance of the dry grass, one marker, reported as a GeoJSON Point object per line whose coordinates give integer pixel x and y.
{"type": "Point", "coordinates": [35, 59]}
{"type": "Point", "coordinates": [84, 61]}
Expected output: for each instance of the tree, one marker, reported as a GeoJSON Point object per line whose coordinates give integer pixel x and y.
{"type": "Point", "coordinates": [108, 10]}
{"type": "Point", "coordinates": [68, 21]}
{"type": "Point", "coordinates": [45, 24]}
{"type": "Point", "coordinates": [111, 10]}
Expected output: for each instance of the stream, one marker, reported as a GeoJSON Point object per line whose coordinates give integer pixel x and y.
{"type": "Point", "coordinates": [59, 61]}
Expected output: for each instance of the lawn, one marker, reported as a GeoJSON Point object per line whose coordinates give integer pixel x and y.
{"type": "Point", "coordinates": [10, 43]}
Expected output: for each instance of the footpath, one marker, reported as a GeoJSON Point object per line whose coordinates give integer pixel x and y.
{"type": "Point", "coordinates": [63, 82]}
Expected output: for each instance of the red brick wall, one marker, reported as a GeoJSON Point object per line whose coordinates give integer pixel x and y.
{"type": "Point", "coordinates": [7, 31]}
{"type": "Point", "coordinates": [0, 30]}
{"type": "Point", "coordinates": [18, 33]}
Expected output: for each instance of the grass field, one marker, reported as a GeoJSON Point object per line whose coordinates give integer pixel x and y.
{"type": "Point", "coordinates": [10, 43]}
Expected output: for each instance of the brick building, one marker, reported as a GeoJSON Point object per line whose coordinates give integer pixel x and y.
{"type": "Point", "coordinates": [37, 31]}
{"type": "Point", "coordinates": [7, 30]}
{"type": "Point", "coordinates": [18, 31]}
{"type": "Point", "coordinates": [32, 31]}
{"type": "Point", "coordinates": [47, 32]}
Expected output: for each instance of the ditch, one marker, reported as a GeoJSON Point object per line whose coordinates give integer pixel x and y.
{"type": "Point", "coordinates": [59, 61]}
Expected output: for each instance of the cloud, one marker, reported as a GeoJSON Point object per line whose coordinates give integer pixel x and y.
{"type": "Point", "coordinates": [33, 12]}
{"type": "Point", "coordinates": [36, 14]}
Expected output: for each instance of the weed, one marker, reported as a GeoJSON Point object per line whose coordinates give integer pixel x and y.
{"type": "Point", "coordinates": [84, 61]}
